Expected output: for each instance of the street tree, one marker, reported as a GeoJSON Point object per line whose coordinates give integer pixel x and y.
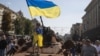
{"type": "Point", "coordinates": [6, 22]}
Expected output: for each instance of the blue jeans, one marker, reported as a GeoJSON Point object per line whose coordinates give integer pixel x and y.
{"type": "Point", "coordinates": [2, 52]}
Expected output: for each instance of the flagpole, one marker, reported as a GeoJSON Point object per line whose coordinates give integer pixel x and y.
{"type": "Point", "coordinates": [42, 26]}
{"type": "Point", "coordinates": [41, 21]}
{"type": "Point", "coordinates": [33, 44]}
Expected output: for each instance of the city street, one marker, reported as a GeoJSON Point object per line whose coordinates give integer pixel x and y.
{"type": "Point", "coordinates": [73, 28]}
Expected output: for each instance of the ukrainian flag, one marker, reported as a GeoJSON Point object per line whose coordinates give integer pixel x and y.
{"type": "Point", "coordinates": [43, 8]}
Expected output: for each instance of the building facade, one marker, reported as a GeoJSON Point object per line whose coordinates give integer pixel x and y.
{"type": "Point", "coordinates": [76, 31]}
{"type": "Point", "coordinates": [12, 16]}
{"type": "Point", "coordinates": [91, 19]}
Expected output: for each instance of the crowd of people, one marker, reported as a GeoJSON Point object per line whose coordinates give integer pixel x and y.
{"type": "Point", "coordinates": [81, 48]}
{"type": "Point", "coordinates": [12, 45]}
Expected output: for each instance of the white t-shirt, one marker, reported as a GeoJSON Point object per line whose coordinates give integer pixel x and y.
{"type": "Point", "coordinates": [98, 49]}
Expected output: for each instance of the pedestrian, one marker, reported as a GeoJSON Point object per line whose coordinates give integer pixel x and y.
{"type": "Point", "coordinates": [88, 49]}
{"type": "Point", "coordinates": [78, 48]}
{"type": "Point", "coordinates": [97, 46]}
{"type": "Point", "coordinates": [73, 50]}
{"type": "Point", "coordinates": [66, 47]}
{"type": "Point", "coordinates": [3, 44]}
{"type": "Point", "coordinates": [13, 48]}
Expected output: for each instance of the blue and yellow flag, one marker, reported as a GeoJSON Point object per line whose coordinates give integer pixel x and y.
{"type": "Point", "coordinates": [43, 8]}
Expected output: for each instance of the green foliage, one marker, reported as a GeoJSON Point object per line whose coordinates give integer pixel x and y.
{"type": "Point", "coordinates": [19, 25]}
{"type": "Point", "coordinates": [6, 22]}
{"type": "Point", "coordinates": [28, 27]}
{"type": "Point", "coordinates": [23, 26]}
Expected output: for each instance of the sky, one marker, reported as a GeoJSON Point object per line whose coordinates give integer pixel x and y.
{"type": "Point", "coordinates": [72, 12]}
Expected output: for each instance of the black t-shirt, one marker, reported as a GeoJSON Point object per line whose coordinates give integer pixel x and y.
{"type": "Point", "coordinates": [78, 47]}
{"type": "Point", "coordinates": [3, 44]}
{"type": "Point", "coordinates": [68, 44]}
{"type": "Point", "coordinates": [21, 42]}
